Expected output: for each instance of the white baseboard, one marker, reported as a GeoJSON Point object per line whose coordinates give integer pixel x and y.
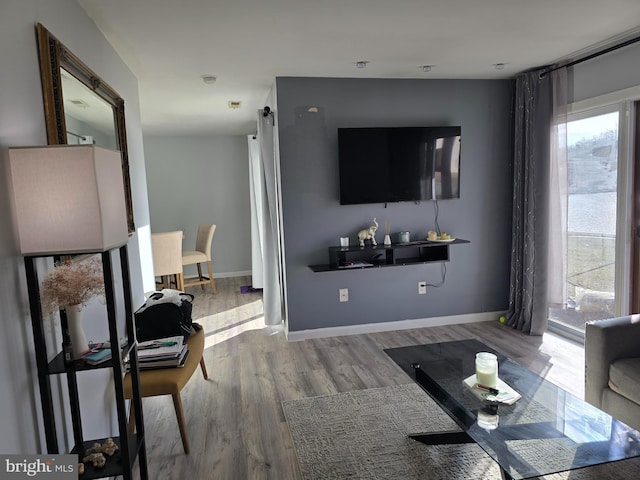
{"type": "Point", "coordinates": [190, 271]}
{"type": "Point", "coordinates": [232, 274]}
{"type": "Point", "coordinates": [390, 326]}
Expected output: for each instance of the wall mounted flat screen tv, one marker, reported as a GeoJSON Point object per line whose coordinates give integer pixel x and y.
{"type": "Point", "coordinates": [398, 164]}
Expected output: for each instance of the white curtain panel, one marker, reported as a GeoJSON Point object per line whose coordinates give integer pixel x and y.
{"type": "Point", "coordinates": [272, 262]}
{"type": "Point", "coordinates": [257, 198]}
{"type": "Point", "coordinates": [558, 193]}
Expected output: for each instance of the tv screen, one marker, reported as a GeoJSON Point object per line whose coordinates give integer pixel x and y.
{"type": "Point", "coordinates": [398, 164]}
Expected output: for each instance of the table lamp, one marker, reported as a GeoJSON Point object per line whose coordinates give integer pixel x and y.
{"type": "Point", "coordinates": [67, 199]}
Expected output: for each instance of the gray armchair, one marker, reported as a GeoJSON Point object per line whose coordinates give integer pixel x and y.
{"type": "Point", "coordinates": [612, 367]}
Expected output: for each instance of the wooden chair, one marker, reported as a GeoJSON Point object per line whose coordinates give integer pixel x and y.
{"type": "Point", "coordinates": [167, 258]}
{"type": "Point", "coordinates": [170, 381]}
{"type": "Point", "coordinates": [202, 254]}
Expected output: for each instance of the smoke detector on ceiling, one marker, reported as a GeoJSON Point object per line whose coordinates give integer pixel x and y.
{"type": "Point", "coordinates": [234, 104]}
{"type": "Point", "coordinates": [209, 79]}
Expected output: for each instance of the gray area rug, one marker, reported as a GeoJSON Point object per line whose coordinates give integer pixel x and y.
{"type": "Point", "coordinates": [363, 435]}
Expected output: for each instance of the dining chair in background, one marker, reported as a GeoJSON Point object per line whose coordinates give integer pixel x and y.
{"type": "Point", "coordinates": [167, 258]}
{"type": "Point", "coordinates": [202, 254]}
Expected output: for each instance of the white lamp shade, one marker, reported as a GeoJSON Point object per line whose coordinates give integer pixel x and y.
{"type": "Point", "coordinates": [68, 199]}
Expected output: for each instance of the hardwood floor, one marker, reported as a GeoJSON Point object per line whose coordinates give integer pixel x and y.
{"type": "Point", "coordinates": [235, 421]}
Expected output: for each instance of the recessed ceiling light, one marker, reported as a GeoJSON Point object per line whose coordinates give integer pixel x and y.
{"type": "Point", "coordinates": [234, 104]}
{"type": "Point", "coordinates": [79, 103]}
{"type": "Point", "coordinates": [209, 79]}
{"type": "Point", "coordinates": [362, 63]}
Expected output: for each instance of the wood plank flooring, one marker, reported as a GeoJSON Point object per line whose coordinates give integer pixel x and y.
{"type": "Point", "coordinates": [235, 420]}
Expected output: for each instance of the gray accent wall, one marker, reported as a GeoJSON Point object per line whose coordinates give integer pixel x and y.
{"type": "Point", "coordinates": [477, 275]}
{"type": "Point", "coordinates": [202, 179]}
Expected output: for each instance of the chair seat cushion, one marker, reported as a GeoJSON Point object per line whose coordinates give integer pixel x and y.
{"type": "Point", "coordinates": [169, 381]}
{"type": "Point", "coordinates": [191, 257]}
{"type": "Point", "coordinates": [624, 374]}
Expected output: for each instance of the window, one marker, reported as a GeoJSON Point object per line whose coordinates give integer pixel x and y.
{"type": "Point", "coordinates": [592, 248]}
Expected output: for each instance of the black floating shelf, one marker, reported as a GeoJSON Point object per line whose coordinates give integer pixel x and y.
{"type": "Point", "coordinates": [355, 257]}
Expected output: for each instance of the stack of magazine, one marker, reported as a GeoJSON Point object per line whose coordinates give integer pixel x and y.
{"type": "Point", "coordinates": [162, 353]}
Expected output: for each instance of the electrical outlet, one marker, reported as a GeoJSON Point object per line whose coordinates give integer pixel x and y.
{"type": "Point", "coordinates": [344, 294]}
{"type": "Point", "coordinates": [422, 288]}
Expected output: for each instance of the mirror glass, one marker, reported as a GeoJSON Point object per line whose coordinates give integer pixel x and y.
{"type": "Point", "coordinates": [88, 118]}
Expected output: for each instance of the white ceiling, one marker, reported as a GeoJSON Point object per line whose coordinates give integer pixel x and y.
{"type": "Point", "coordinates": [170, 44]}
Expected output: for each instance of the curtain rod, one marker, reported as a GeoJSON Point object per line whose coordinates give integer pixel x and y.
{"type": "Point", "coordinates": [626, 43]}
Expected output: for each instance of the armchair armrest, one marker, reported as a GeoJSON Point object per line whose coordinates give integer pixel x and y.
{"type": "Point", "coordinates": [606, 341]}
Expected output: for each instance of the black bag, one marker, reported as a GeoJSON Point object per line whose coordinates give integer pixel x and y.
{"type": "Point", "coordinates": [164, 314]}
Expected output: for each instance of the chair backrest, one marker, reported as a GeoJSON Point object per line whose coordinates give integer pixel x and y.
{"type": "Point", "coordinates": [205, 237]}
{"type": "Point", "coordinates": [167, 253]}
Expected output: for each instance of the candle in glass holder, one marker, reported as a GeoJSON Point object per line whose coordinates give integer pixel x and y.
{"type": "Point", "coordinates": [487, 369]}
{"type": "Point", "coordinates": [488, 418]}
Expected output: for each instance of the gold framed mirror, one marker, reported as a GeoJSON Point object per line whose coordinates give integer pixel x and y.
{"type": "Point", "coordinates": [80, 107]}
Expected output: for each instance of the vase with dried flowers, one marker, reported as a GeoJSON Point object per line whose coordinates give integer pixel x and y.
{"type": "Point", "coordinates": [70, 286]}
{"type": "Point", "coordinates": [387, 232]}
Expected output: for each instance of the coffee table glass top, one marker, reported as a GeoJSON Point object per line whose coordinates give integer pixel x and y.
{"type": "Point", "coordinates": [547, 431]}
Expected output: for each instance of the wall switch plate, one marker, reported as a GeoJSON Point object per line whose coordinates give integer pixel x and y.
{"type": "Point", "coordinates": [422, 288]}
{"type": "Point", "coordinates": [344, 294]}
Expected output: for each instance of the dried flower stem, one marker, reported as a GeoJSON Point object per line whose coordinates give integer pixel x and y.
{"type": "Point", "coordinates": [72, 283]}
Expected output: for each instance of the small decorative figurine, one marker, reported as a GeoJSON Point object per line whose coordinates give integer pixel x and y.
{"type": "Point", "coordinates": [96, 454]}
{"type": "Point", "coordinates": [97, 459]}
{"type": "Point", "coordinates": [96, 448]}
{"type": "Point", "coordinates": [109, 447]}
{"type": "Point", "coordinates": [368, 234]}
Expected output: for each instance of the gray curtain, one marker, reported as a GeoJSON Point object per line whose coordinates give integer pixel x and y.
{"type": "Point", "coordinates": [530, 225]}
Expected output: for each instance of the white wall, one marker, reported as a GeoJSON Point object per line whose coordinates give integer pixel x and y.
{"type": "Point", "coordinates": [203, 179]}
{"type": "Point", "coordinates": [22, 123]}
{"type": "Point", "coordinates": [608, 73]}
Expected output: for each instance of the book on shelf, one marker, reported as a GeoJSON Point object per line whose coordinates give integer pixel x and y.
{"type": "Point", "coordinates": [96, 357]}
{"type": "Point", "coordinates": [100, 352]}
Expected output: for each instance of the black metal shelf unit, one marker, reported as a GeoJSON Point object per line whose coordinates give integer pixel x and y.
{"type": "Point", "coordinates": [376, 256]}
{"type": "Point", "coordinates": [132, 446]}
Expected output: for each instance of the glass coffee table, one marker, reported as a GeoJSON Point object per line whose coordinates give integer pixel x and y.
{"type": "Point", "coordinates": [547, 431]}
